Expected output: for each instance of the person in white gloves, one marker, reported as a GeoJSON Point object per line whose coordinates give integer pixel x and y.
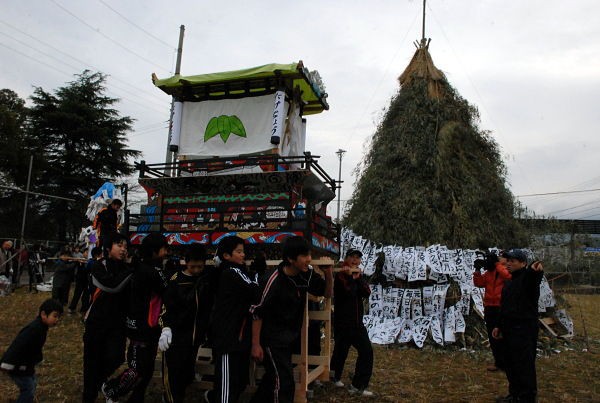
{"type": "Point", "coordinates": [188, 301]}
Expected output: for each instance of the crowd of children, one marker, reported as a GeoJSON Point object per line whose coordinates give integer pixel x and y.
{"type": "Point", "coordinates": [132, 310]}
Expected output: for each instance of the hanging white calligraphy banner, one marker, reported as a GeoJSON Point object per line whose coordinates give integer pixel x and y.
{"type": "Point", "coordinates": [439, 298]}
{"type": "Point", "coordinates": [406, 331]}
{"type": "Point", "coordinates": [460, 324]}
{"type": "Point", "coordinates": [428, 300]}
{"type": "Point", "coordinates": [399, 264]}
{"type": "Point", "coordinates": [420, 328]}
{"type": "Point", "coordinates": [546, 299]}
{"type": "Point", "coordinates": [564, 318]}
{"type": "Point", "coordinates": [421, 263]}
{"type": "Point", "coordinates": [433, 258]}
{"type": "Point", "coordinates": [416, 304]}
{"type": "Point", "coordinates": [406, 303]}
{"type": "Point", "coordinates": [477, 296]}
{"type": "Point", "coordinates": [449, 325]}
{"type": "Point", "coordinates": [436, 330]}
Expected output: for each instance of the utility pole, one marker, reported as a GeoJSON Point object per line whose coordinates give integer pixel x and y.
{"type": "Point", "coordinates": [22, 240]}
{"type": "Point", "coordinates": [340, 153]}
{"type": "Point", "coordinates": [171, 152]}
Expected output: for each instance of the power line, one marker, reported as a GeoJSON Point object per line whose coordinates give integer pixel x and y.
{"type": "Point", "coordinates": [571, 208]}
{"type": "Point", "coordinates": [110, 76]}
{"type": "Point", "coordinates": [155, 101]}
{"type": "Point", "coordinates": [40, 51]}
{"type": "Point", "coordinates": [558, 193]}
{"type": "Point", "coordinates": [137, 26]}
{"type": "Point", "coordinates": [97, 30]}
{"type": "Point", "coordinates": [579, 212]}
{"type": "Point", "coordinates": [145, 106]}
{"type": "Point", "coordinates": [37, 60]}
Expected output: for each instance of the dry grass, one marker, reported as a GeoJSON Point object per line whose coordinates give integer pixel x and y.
{"type": "Point", "coordinates": [401, 373]}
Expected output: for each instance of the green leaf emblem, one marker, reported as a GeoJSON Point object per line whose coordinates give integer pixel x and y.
{"type": "Point", "coordinates": [224, 126]}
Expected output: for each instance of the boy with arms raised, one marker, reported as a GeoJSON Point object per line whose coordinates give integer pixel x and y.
{"type": "Point", "coordinates": [278, 318]}
{"type": "Point", "coordinates": [26, 350]}
{"type": "Point", "coordinates": [231, 326]}
{"type": "Point", "coordinates": [188, 301]}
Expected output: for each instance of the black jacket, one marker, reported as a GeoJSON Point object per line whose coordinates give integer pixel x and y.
{"type": "Point", "coordinates": [147, 287]}
{"type": "Point", "coordinates": [107, 221]}
{"type": "Point", "coordinates": [187, 304]}
{"type": "Point", "coordinates": [231, 322]}
{"type": "Point", "coordinates": [281, 305]}
{"type": "Point", "coordinates": [111, 297]}
{"type": "Point", "coordinates": [348, 299]}
{"type": "Point", "coordinates": [520, 296]}
{"type": "Point", "coordinates": [26, 349]}
{"type": "Point", "coordinates": [64, 271]}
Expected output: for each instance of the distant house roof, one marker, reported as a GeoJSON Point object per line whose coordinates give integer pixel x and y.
{"type": "Point", "coordinates": [253, 81]}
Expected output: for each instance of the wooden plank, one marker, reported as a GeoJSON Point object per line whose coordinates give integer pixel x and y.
{"type": "Point", "coordinates": [544, 323]}
{"type": "Point", "coordinates": [315, 373]}
{"type": "Point", "coordinates": [311, 359]}
{"type": "Point", "coordinates": [319, 315]}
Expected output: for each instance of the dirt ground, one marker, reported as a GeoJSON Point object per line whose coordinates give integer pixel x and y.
{"type": "Point", "coordinates": [570, 373]}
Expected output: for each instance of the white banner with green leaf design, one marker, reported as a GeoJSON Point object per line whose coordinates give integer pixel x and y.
{"type": "Point", "coordinates": [227, 127]}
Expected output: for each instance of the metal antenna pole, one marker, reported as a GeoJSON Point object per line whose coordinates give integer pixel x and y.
{"type": "Point", "coordinates": [340, 153]}
{"type": "Point", "coordinates": [170, 154]}
{"type": "Point", "coordinates": [22, 241]}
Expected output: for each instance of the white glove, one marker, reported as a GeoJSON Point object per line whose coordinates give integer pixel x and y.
{"type": "Point", "coordinates": [165, 339]}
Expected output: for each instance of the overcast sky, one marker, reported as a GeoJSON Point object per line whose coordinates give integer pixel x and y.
{"type": "Point", "coordinates": [530, 67]}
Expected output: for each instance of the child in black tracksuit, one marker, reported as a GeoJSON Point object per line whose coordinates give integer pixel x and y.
{"type": "Point", "coordinates": [278, 318]}
{"type": "Point", "coordinates": [26, 350]}
{"type": "Point", "coordinates": [187, 303]}
{"type": "Point", "coordinates": [147, 288]}
{"type": "Point", "coordinates": [64, 270]}
{"type": "Point", "coordinates": [231, 324]}
{"type": "Point", "coordinates": [105, 333]}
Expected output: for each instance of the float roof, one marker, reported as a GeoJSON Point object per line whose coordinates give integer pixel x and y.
{"type": "Point", "coordinates": [253, 81]}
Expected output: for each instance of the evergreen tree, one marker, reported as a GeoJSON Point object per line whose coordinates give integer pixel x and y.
{"type": "Point", "coordinates": [83, 139]}
{"type": "Point", "coordinates": [431, 174]}
{"type": "Point", "coordinates": [14, 161]}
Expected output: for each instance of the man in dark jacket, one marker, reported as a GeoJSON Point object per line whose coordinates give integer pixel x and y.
{"type": "Point", "coordinates": [188, 301]}
{"type": "Point", "coordinates": [105, 332]}
{"type": "Point", "coordinates": [106, 222]}
{"type": "Point", "coordinates": [147, 286]}
{"type": "Point", "coordinates": [519, 326]}
{"type": "Point", "coordinates": [349, 290]}
{"type": "Point", "coordinates": [231, 324]}
{"type": "Point", "coordinates": [26, 350]}
{"type": "Point", "coordinates": [278, 318]}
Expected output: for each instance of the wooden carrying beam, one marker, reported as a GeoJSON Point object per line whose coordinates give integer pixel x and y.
{"type": "Point", "coordinates": [205, 368]}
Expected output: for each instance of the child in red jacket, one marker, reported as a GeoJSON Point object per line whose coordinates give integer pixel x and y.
{"type": "Point", "coordinates": [492, 279]}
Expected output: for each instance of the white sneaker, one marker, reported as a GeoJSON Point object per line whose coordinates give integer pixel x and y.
{"type": "Point", "coordinates": [367, 393]}
{"type": "Point", "coordinates": [361, 392]}
{"type": "Point", "coordinates": [108, 399]}
{"type": "Point", "coordinates": [338, 384]}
